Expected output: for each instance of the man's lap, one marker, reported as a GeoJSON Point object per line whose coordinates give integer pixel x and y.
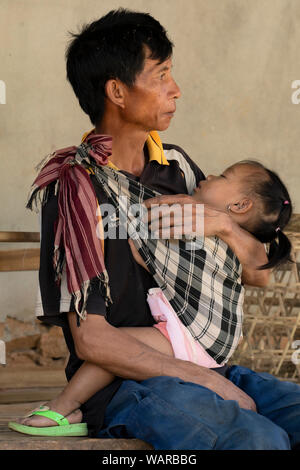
{"type": "Point", "coordinates": [275, 399]}
{"type": "Point", "coordinates": [170, 413]}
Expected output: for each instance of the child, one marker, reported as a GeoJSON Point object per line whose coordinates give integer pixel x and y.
{"type": "Point", "coordinates": [258, 201]}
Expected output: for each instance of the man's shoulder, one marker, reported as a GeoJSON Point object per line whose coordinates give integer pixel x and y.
{"type": "Point", "coordinates": [192, 172]}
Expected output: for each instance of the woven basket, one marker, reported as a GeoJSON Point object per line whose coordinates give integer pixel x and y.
{"type": "Point", "coordinates": [272, 322]}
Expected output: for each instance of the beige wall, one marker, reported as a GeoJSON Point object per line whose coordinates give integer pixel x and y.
{"type": "Point", "coordinates": [235, 61]}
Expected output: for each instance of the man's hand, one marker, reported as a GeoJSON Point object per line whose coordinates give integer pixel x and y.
{"type": "Point", "coordinates": [179, 215]}
{"type": "Point", "coordinates": [227, 390]}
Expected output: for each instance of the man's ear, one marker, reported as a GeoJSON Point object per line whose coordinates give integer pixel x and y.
{"type": "Point", "coordinates": [241, 207]}
{"type": "Point", "coordinates": [114, 90]}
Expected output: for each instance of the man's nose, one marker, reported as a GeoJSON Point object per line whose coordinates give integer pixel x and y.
{"type": "Point", "coordinates": [175, 90]}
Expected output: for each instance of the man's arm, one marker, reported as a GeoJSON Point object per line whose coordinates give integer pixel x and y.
{"type": "Point", "coordinates": [98, 342]}
{"type": "Point", "coordinates": [250, 251]}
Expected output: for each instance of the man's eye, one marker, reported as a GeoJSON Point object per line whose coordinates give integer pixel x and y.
{"type": "Point", "coordinates": [162, 76]}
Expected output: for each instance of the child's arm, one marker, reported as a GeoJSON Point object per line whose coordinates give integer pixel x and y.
{"type": "Point", "coordinates": [251, 254]}
{"type": "Point", "coordinates": [249, 250]}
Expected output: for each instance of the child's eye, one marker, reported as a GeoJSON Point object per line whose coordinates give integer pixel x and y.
{"type": "Point", "coordinates": [162, 76]}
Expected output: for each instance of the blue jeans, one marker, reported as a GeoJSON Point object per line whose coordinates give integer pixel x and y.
{"type": "Point", "coordinates": [169, 413]}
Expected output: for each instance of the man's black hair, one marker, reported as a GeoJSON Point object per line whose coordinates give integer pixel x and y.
{"type": "Point", "coordinates": [112, 47]}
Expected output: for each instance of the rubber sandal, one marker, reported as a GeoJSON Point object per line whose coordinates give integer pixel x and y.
{"type": "Point", "coordinates": [63, 427]}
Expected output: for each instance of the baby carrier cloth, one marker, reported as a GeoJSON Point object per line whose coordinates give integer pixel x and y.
{"type": "Point", "coordinates": [199, 276]}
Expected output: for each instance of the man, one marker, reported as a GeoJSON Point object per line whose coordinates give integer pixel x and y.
{"type": "Point", "coordinates": [120, 69]}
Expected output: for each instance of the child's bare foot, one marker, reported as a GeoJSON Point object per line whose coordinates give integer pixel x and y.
{"type": "Point", "coordinates": [40, 421]}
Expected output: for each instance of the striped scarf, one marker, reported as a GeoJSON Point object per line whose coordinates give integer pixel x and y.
{"type": "Point", "coordinates": [76, 242]}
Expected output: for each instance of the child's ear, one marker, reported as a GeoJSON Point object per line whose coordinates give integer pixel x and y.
{"type": "Point", "coordinates": [241, 207]}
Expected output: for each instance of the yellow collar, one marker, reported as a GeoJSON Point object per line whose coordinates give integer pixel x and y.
{"type": "Point", "coordinates": [154, 145]}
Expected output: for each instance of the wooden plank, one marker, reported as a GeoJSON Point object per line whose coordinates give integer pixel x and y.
{"type": "Point", "coordinates": [10, 440]}
{"type": "Point", "coordinates": [19, 237]}
{"type": "Point", "coordinates": [23, 442]}
{"type": "Point", "coordinates": [27, 259]}
{"type": "Point", "coordinates": [15, 410]}
{"type": "Point", "coordinates": [21, 395]}
{"type": "Point", "coordinates": [35, 377]}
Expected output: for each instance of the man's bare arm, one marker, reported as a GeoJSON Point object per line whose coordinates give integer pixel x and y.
{"type": "Point", "coordinates": [250, 251]}
{"type": "Point", "coordinates": [100, 343]}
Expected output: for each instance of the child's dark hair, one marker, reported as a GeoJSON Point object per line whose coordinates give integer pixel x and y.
{"type": "Point", "coordinates": [276, 200]}
{"type": "Point", "coordinates": [112, 47]}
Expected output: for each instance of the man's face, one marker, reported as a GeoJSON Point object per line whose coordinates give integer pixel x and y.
{"type": "Point", "coordinates": [150, 102]}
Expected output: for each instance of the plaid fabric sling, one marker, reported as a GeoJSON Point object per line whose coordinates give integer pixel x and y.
{"type": "Point", "coordinates": [201, 278]}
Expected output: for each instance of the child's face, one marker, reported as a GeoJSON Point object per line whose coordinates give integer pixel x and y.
{"type": "Point", "coordinates": [225, 189]}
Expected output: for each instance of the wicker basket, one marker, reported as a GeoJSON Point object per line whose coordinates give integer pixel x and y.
{"type": "Point", "coordinates": [272, 322]}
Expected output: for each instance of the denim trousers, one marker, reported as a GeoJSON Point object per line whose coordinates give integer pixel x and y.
{"type": "Point", "coordinates": [171, 414]}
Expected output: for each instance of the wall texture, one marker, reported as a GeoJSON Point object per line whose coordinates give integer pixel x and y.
{"type": "Point", "coordinates": [234, 60]}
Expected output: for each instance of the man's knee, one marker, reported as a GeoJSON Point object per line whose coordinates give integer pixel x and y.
{"type": "Point", "coordinates": [275, 439]}
{"type": "Point", "coordinates": [260, 434]}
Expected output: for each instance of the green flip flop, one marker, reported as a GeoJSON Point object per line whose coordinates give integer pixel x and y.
{"type": "Point", "coordinates": [63, 428]}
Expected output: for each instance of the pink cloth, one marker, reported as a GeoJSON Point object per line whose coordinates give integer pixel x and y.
{"type": "Point", "coordinates": [162, 327]}
{"type": "Point", "coordinates": [185, 347]}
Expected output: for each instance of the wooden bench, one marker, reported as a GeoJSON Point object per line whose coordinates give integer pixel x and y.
{"type": "Point", "coordinates": [22, 259]}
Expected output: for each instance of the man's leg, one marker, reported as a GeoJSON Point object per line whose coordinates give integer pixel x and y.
{"type": "Point", "coordinates": [275, 399]}
{"type": "Point", "coordinates": [171, 414]}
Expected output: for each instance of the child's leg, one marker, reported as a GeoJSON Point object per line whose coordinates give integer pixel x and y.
{"type": "Point", "coordinates": [90, 378]}
{"type": "Point", "coordinates": [85, 382]}
{"type": "Point", "coordinates": [151, 337]}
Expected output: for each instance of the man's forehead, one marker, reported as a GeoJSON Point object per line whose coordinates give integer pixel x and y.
{"type": "Point", "coordinates": [152, 65]}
